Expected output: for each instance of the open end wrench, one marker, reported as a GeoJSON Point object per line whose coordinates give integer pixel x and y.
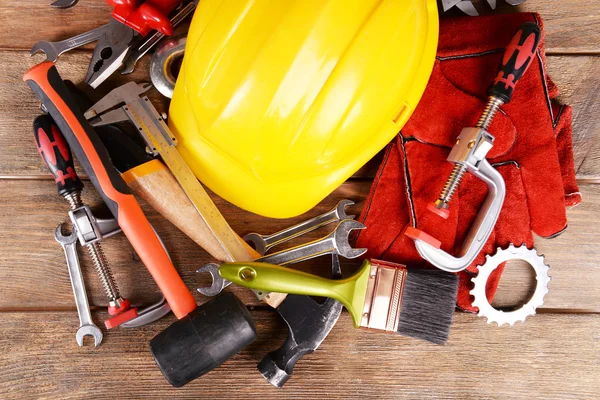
{"type": "Point", "coordinates": [337, 242]}
{"type": "Point", "coordinates": [86, 324]}
{"type": "Point", "coordinates": [53, 50]}
{"type": "Point", "coordinates": [262, 243]}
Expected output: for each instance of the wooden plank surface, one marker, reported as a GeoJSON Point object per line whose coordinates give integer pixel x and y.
{"type": "Point", "coordinates": [572, 31]}
{"type": "Point", "coordinates": [479, 361]}
{"type": "Point", "coordinates": [553, 355]}
{"type": "Point", "coordinates": [25, 262]}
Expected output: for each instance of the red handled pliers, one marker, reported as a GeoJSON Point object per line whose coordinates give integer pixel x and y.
{"type": "Point", "coordinates": [129, 18]}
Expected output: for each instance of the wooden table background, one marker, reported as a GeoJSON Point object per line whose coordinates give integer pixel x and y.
{"type": "Point", "coordinates": [555, 354]}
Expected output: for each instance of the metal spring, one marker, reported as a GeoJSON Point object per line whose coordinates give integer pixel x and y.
{"type": "Point", "coordinates": [104, 271]}
{"type": "Point", "coordinates": [491, 108]}
{"type": "Point", "coordinates": [74, 200]}
{"type": "Point", "coordinates": [97, 255]}
{"type": "Point", "coordinates": [458, 172]}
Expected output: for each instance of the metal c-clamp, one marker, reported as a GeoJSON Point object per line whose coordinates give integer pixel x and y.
{"type": "Point", "coordinates": [468, 154]}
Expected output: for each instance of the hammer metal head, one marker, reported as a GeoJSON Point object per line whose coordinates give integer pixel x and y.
{"type": "Point", "coordinates": [309, 323]}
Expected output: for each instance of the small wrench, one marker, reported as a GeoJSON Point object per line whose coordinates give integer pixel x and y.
{"type": "Point", "coordinates": [335, 243]}
{"type": "Point", "coordinates": [263, 243]}
{"type": "Point", "coordinates": [86, 325]}
{"type": "Point", "coordinates": [53, 50]}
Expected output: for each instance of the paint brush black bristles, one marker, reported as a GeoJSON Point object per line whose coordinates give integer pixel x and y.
{"type": "Point", "coordinates": [428, 305]}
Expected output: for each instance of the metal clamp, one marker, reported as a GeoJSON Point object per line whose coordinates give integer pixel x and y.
{"type": "Point", "coordinates": [89, 228]}
{"type": "Point", "coordinates": [469, 153]}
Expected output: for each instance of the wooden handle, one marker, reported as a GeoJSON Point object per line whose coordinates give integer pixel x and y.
{"type": "Point", "coordinates": [153, 182]}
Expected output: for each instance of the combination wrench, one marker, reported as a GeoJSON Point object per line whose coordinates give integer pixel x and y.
{"type": "Point", "coordinates": [262, 243]}
{"type": "Point", "coordinates": [337, 242]}
{"type": "Point", "coordinates": [53, 50]}
{"type": "Point", "coordinates": [86, 324]}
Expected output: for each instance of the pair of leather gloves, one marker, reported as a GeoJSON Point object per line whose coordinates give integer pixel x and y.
{"type": "Point", "coordinates": [532, 151]}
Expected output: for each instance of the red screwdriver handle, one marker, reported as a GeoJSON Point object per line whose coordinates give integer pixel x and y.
{"type": "Point", "coordinates": [49, 87]}
{"type": "Point", "coordinates": [56, 154]}
{"type": "Point", "coordinates": [518, 56]}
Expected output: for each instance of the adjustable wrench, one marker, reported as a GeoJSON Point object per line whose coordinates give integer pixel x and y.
{"type": "Point", "coordinates": [335, 243]}
{"type": "Point", "coordinates": [53, 50]}
{"type": "Point", "coordinates": [263, 243]}
{"type": "Point", "coordinates": [86, 325]}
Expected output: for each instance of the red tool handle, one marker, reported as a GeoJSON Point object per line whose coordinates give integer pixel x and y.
{"type": "Point", "coordinates": [48, 86]}
{"type": "Point", "coordinates": [145, 16]}
{"type": "Point", "coordinates": [517, 58]}
{"type": "Point", "coordinates": [56, 153]}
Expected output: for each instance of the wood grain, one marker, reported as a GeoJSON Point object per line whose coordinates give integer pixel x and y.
{"type": "Point", "coordinates": [571, 25]}
{"type": "Point", "coordinates": [30, 259]}
{"type": "Point", "coordinates": [580, 90]}
{"type": "Point", "coordinates": [551, 356]}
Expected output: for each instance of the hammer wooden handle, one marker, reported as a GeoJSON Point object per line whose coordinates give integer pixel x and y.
{"type": "Point", "coordinates": [153, 182]}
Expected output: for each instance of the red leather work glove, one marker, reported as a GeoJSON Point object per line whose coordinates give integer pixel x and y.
{"type": "Point", "coordinates": [532, 151]}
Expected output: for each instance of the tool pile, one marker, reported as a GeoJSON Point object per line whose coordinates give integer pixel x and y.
{"type": "Point", "coordinates": [304, 113]}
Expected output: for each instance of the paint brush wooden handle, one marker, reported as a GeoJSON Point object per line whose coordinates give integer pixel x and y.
{"type": "Point", "coordinates": [153, 182]}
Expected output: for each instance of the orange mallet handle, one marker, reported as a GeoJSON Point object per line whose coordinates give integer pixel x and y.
{"type": "Point", "coordinates": [49, 87]}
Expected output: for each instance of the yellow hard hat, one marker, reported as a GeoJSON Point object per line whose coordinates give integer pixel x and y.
{"type": "Point", "coordinates": [278, 102]}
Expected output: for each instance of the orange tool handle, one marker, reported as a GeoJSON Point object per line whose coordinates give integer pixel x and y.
{"type": "Point", "coordinates": [49, 87]}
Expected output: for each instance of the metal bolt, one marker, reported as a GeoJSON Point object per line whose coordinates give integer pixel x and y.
{"type": "Point", "coordinates": [247, 274]}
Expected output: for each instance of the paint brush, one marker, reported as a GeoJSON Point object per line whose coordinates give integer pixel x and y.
{"type": "Point", "coordinates": [382, 296]}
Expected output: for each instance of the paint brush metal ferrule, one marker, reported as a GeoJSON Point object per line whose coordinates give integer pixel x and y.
{"type": "Point", "coordinates": [383, 299]}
